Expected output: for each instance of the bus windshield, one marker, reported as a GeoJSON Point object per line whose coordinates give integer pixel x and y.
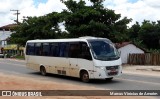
{"type": "Point", "coordinates": [103, 50]}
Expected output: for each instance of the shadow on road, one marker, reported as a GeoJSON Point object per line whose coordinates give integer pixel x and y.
{"type": "Point", "coordinates": [69, 79]}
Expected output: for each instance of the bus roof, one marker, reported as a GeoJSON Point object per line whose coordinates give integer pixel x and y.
{"type": "Point", "coordinates": [85, 38]}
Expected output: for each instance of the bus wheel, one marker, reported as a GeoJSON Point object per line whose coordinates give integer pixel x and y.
{"type": "Point", "coordinates": [84, 76]}
{"type": "Point", "coordinates": [109, 79]}
{"type": "Point", "coordinates": [43, 70]}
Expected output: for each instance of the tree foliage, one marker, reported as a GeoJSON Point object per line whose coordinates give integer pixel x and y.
{"type": "Point", "coordinates": [43, 27]}
{"type": "Point", "coordinates": [94, 20]}
{"type": "Point", "coordinates": [148, 34]}
{"type": "Point", "coordinates": [79, 20]}
{"type": "Point", "coordinates": [82, 20]}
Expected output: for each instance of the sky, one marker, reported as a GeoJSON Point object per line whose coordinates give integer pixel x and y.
{"type": "Point", "coordinates": [138, 10]}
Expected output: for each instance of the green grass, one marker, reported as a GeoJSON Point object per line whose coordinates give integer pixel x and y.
{"type": "Point", "coordinates": [20, 57]}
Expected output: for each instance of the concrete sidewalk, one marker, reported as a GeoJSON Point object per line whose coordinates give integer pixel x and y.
{"type": "Point", "coordinates": [141, 70]}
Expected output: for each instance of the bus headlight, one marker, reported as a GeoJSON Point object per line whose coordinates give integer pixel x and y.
{"type": "Point", "coordinates": [100, 67]}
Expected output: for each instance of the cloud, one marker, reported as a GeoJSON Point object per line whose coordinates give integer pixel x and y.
{"type": "Point", "coordinates": [27, 8]}
{"type": "Point", "coordinates": [42, 8]}
{"type": "Point", "coordinates": [138, 10]}
{"type": "Point", "coordinates": [153, 3]}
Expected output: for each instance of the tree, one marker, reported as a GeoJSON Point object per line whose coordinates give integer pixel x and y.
{"type": "Point", "coordinates": [134, 30]}
{"type": "Point", "coordinates": [94, 20]}
{"type": "Point", "coordinates": [79, 20]}
{"type": "Point", "coordinates": [150, 34]}
{"type": "Point", "coordinates": [43, 27]}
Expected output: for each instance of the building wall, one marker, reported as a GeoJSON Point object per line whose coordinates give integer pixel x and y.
{"type": "Point", "coordinates": [128, 49]}
{"type": "Point", "coordinates": [3, 36]}
{"type": "Point", "coordinates": [3, 43]}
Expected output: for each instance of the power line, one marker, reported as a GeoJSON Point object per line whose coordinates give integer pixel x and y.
{"type": "Point", "coordinates": [17, 13]}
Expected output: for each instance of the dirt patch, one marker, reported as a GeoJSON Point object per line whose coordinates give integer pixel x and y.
{"type": "Point", "coordinates": [10, 82]}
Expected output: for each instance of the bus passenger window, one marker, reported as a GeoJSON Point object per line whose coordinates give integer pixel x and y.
{"type": "Point", "coordinates": [54, 49]}
{"type": "Point", "coordinates": [30, 49]}
{"type": "Point", "coordinates": [45, 49]}
{"type": "Point", "coordinates": [74, 50]}
{"type": "Point", "coordinates": [85, 53]}
{"type": "Point", "coordinates": [63, 50]}
{"type": "Point", "coordinates": [38, 49]}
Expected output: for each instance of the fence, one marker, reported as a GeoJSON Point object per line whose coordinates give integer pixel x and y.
{"type": "Point", "coordinates": [144, 59]}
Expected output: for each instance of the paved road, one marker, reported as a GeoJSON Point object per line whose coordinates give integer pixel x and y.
{"type": "Point", "coordinates": [124, 82]}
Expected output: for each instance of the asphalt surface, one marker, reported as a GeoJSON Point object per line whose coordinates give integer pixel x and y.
{"type": "Point", "coordinates": [124, 82]}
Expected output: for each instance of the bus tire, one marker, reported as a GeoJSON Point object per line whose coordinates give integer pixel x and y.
{"type": "Point", "coordinates": [109, 79]}
{"type": "Point", "coordinates": [43, 71]}
{"type": "Point", "coordinates": [84, 76]}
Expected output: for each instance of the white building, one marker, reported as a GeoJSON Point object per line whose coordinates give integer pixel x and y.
{"type": "Point", "coordinates": [127, 48]}
{"type": "Point", "coordinates": [5, 32]}
{"type": "Point", "coordinates": [3, 37]}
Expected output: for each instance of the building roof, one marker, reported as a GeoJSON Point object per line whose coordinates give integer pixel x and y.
{"type": "Point", "coordinates": [120, 45]}
{"type": "Point", "coordinates": [6, 31]}
{"type": "Point", "coordinates": [8, 27]}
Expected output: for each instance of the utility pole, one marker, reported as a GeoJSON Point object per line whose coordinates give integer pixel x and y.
{"type": "Point", "coordinates": [17, 13]}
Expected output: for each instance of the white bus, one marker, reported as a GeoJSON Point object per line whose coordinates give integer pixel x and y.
{"type": "Point", "coordinates": [84, 57]}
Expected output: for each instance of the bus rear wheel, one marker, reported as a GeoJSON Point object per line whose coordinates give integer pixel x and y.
{"type": "Point", "coordinates": [43, 70]}
{"type": "Point", "coordinates": [84, 76]}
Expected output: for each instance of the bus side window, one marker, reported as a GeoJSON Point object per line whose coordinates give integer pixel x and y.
{"type": "Point", "coordinates": [30, 49]}
{"type": "Point", "coordinates": [38, 49]}
{"type": "Point", "coordinates": [54, 49]}
{"type": "Point", "coordinates": [63, 50]}
{"type": "Point", "coordinates": [45, 49]}
{"type": "Point", "coordinates": [74, 49]}
{"type": "Point", "coordinates": [85, 53]}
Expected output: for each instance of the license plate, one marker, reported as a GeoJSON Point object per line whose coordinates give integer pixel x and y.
{"type": "Point", "coordinates": [113, 70]}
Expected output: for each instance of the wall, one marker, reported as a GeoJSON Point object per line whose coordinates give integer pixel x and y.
{"type": "Point", "coordinates": [3, 36]}
{"type": "Point", "coordinates": [130, 48]}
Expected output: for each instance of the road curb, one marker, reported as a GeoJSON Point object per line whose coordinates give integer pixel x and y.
{"type": "Point", "coordinates": [140, 73]}
{"type": "Point", "coordinates": [157, 70]}
{"type": "Point", "coordinates": [13, 59]}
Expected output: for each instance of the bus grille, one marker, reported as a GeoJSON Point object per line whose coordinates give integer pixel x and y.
{"type": "Point", "coordinates": [112, 70]}
{"type": "Point", "coordinates": [111, 67]}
